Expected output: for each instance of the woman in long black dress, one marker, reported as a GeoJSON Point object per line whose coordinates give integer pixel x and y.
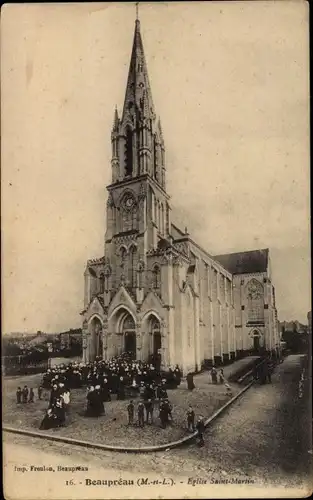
{"type": "Point", "coordinates": [190, 382]}
{"type": "Point", "coordinates": [50, 420]}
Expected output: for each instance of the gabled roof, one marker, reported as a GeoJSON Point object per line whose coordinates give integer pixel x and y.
{"type": "Point", "coordinates": [253, 261]}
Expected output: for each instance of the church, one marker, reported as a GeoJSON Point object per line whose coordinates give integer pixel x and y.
{"type": "Point", "coordinates": [157, 293]}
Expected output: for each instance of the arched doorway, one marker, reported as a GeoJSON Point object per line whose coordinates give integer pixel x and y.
{"type": "Point", "coordinates": [155, 341]}
{"type": "Point", "coordinates": [96, 338]}
{"type": "Point", "coordinates": [128, 329]}
{"type": "Point", "coordinates": [256, 341]}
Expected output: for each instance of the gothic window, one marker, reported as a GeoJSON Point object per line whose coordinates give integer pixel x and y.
{"type": "Point", "coordinates": [156, 277]}
{"type": "Point", "coordinates": [102, 283]}
{"type": "Point", "coordinates": [107, 274]}
{"type": "Point", "coordinates": [132, 267]}
{"type": "Point", "coordinates": [123, 254]}
{"type": "Point", "coordinates": [162, 220]}
{"type": "Point", "coordinates": [159, 216]}
{"type": "Point", "coordinates": [129, 153]}
{"type": "Point", "coordinates": [255, 301]}
{"type": "Point", "coordinates": [156, 212]}
{"type": "Point", "coordinates": [140, 276]}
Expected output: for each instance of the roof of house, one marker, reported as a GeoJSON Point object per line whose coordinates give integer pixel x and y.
{"type": "Point", "coordinates": [253, 261]}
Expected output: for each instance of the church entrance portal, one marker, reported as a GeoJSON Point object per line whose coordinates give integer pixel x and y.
{"type": "Point", "coordinates": [155, 332]}
{"type": "Point", "coordinates": [256, 342]}
{"type": "Point", "coordinates": [129, 333]}
{"type": "Point", "coordinates": [96, 338]}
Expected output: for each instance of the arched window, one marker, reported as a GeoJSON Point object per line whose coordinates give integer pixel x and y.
{"type": "Point", "coordinates": [129, 153]}
{"type": "Point", "coordinates": [129, 218]}
{"type": "Point", "coordinates": [102, 282]}
{"type": "Point", "coordinates": [107, 274]}
{"type": "Point", "coordinates": [162, 220]}
{"type": "Point", "coordinates": [132, 268]}
{"type": "Point", "coordinates": [123, 261]}
{"type": "Point", "coordinates": [156, 277]}
{"type": "Point", "coordinates": [255, 301]}
{"type": "Point", "coordinates": [140, 275]}
{"type": "Point", "coordinates": [159, 216]}
{"type": "Point", "coordinates": [156, 220]}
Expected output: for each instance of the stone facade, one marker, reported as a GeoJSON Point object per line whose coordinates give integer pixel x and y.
{"type": "Point", "coordinates": [156, 292]}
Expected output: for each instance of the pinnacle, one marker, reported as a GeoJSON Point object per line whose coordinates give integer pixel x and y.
{"type": "Point", "coordinates": [116, 119]}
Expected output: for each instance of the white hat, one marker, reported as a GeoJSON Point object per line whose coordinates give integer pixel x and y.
{"type": "Point", "coordinates": [97, 387]}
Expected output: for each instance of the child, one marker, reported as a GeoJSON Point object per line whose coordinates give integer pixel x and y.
{"type": "Point", "coordinates": [190, 419]}
{"type": "Point", "coordinates": [31, 395]}
{"type": "Point", "coordinates": [228, 390]}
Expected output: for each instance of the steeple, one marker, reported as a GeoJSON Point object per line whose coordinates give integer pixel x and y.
{"type": "Point", "coordinates": [137, 142]}
{"type": "Point", "coordinates": [138, 91]}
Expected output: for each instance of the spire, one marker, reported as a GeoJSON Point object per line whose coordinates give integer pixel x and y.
{"type": "Point", "coordinates": [138, 81]}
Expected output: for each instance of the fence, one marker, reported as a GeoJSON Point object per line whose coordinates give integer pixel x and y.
{"type": "Point", "coordinates": [22, 365]}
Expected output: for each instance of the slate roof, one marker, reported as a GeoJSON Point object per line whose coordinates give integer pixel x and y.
{"type": "Point", "coordinates": [253, 261]}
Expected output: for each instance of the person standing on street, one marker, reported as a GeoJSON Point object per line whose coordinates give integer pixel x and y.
{"type": "Point", "coordinates": [39, 391]}
{"type": "Point", "coordinates": [214, 375]}
{"type": "Point", "coordinates": [130, 411]}
{"type": "Point", "coordinates": [200, 428]}
{"type": "Point", "coordinates": [190, 382]}
{"type": "Point", "coordinates": [25, 394]}
{"type": "Point", "coordinates": [149, 410]}
{"type": "Point", "coordinates": [190, 419]}
{"type": "Point", "coordinates": [19, 395]}
{"type": "Point", "coordinates": [163, 414]}
{"type": "Point", "coordinates": [31, 395]}
{"type": "Point", "coordinates": [141, 414]}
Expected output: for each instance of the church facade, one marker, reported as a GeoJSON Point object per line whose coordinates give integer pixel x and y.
{"type": "Point", "coordinates": [156, 292]}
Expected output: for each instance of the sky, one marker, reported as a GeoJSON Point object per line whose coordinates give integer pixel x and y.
{"type": "Point", "coordinates": [230, 82]}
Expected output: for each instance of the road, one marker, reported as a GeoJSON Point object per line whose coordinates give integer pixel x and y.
{"type": "Point", "coordinates": [263, 438]}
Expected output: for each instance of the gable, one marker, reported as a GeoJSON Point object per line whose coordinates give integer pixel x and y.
{"type": "Point", "coordinates": [122, 297]}
{"type": "Point", "coordinates": [152, 303]}
{"type": "Point", "coordinates": [95, 307]}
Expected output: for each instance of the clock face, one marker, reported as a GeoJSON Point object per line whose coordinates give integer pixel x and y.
{"type": "Point", "coordinates": [129, 201]}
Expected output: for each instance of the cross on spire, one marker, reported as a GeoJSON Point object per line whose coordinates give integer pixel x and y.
{"type": "Point", "coordinates": [137, 11]}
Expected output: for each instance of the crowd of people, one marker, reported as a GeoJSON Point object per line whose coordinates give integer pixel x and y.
{"type": "Point", "coordinates": [26, 395]}
{"type": "Point", "coordinates": [124, 377]}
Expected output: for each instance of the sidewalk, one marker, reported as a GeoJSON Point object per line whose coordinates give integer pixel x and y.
{"type": "Point", "coordinates": [201, 379]}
